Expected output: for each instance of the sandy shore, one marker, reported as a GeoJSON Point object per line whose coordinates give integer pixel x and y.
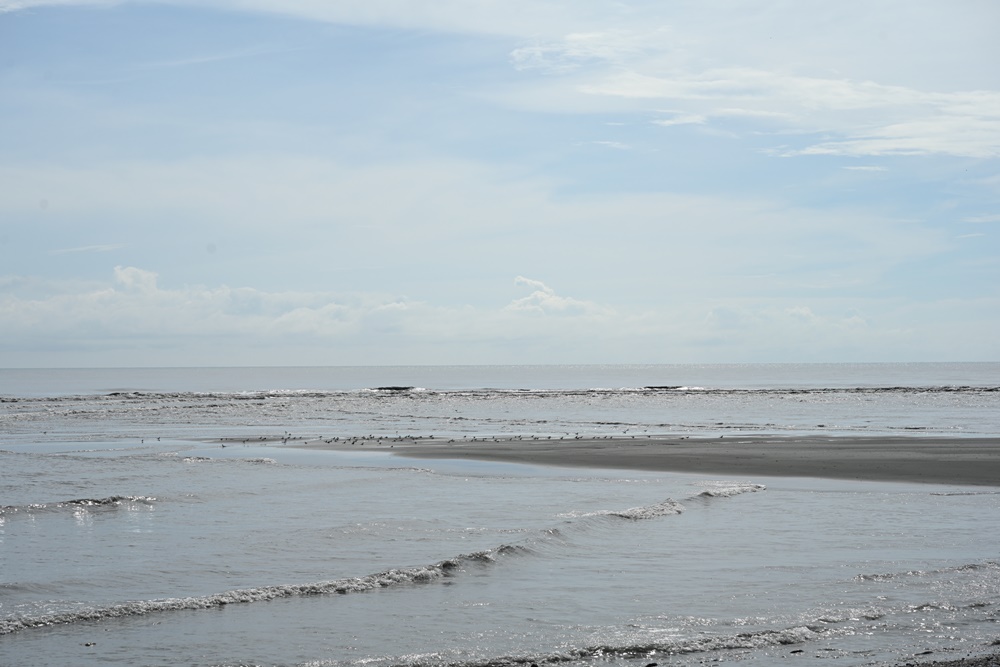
{"type": "Point", "coordinates": [992, 660]}
{"type": "Point", "coordinates": [973, 461]}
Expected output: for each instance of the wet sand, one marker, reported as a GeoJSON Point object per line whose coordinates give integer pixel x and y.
{"type": "Point", "coordinates": [966, 461]}
{"type": "Point", "coordinates": [992, 660]}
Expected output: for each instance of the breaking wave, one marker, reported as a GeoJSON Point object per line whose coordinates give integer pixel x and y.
{"type": "Point", "coordinates": [639, 650]}
{"type": "Point", "coordinates": [729, 489]}
{"type": "Point", "coordinates": [109, 502]}
{"type": "Point", "coordinates": [969, 567]}
{"type": "Point", "coordinates": [386, 579]}
{"type": "Point", "coordinates": [209, 459]}
{"type": "Point", "coordinates": [671, 506]}
{"type": "Point", "coordinates": [487, 392]}
{"type": "Point", "coordinates": [666, 508]}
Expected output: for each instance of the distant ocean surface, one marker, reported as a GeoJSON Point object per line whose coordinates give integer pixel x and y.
{"type": "Point", "coordinates": [129, 536]}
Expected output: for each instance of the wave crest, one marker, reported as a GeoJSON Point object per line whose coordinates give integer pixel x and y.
{"type": "Point", "coordinates": [665, 508]}
{"type": "Point", "coordinates": [76, 503]}
{"type": "Point", "coordinates": [648, 650]}
{"type": "Point", "coordinates": [386, 579]}
{"type": "Point", "coordinates": [730, 489]}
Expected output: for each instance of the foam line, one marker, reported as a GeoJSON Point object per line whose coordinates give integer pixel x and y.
{"type": "Point", "coordinates": [110, 501]}
{"type": "Point", "coordinates": [387, 579]}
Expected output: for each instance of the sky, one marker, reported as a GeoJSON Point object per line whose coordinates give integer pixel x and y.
{"type": "Point", "coordinates": [359, 182]}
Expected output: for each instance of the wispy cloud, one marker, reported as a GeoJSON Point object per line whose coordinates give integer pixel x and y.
{"type": "Point", "coordinates": [871, 119]}
{"type": "Point", "coordinates": [577, 50]}
{"type": "Point", "coordinates": [617, 145]}
{"type": "Point", "coordinates": [936, 133]}
{"type": "Point", "coordinates": [682, 119]}
{"type": "Point", "coordinates": [19, 5]}
{"type": "Point", "coordinates": [714, 69]}
{"type": "Point", "coordinates": [982, 219]}
{"type": "Point", "coordinates": [208, 58]}
{"type": "Point", "coordinates": [108, 247]}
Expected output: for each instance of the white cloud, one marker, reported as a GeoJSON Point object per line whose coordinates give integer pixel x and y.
{"type": "Point", "coordinates": [136, 305]}
{"type": "Point", "coordinates": [576, 50]}
{"type": "Point", "coordinates": [872, 119]}
{"type": "Point", "coordinates": [979, 219]}
{"type": "Point", "coordinates": [133, 278]}
{"type": "Point", "coordinates": [963, 136]}
{"type": "Point", "coordinates": [681, 119]}
{"type": "Point", "coordinates": [135, 311]}
{"type": "Point", "coordinates": [18, 5]}
{"type": "Point", "coordinates": [776, 67]}
{"type": "Point", "coordinates": [207, 58]}
{"type": "Point", "coordinates": [262, 206]}
{"type": "Point", "coordinates": [107, 247]}
{"type": "Point", "coordinates": [538, 285]}
{"type": "Point", "coordinates": [544, 301]}
{"type": "Point", "coordinates": [617, 145]}
{"type": "Point", "coordinates": [869, 167]}
{"type": "Point", "coordinates": [136, 320]}
{"type": "Point", "coordinates": [520, 18]}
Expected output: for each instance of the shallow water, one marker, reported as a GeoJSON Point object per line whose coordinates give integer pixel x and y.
{"type": "Point", "coordinates": [120, 548]}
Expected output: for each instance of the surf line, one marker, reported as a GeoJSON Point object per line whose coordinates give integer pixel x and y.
{"type": "Point", "coordinates": [387, 579]}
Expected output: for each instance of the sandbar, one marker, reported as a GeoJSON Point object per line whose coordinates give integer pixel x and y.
{"type": "Point", "coordinates": [927, 459]}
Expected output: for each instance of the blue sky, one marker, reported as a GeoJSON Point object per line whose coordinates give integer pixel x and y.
{"type": "Point", "coordinates": [264, 182]}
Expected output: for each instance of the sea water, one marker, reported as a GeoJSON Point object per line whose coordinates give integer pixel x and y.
{"type": "Point", "coordinates": [129, 535]}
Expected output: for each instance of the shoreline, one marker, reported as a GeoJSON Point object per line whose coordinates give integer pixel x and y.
{"type": "Point", "coordinates": [931, 460]}
{"type": "Point", "coordinates": [985, 660]}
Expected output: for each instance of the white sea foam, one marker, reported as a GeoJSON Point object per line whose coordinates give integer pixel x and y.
{"type": "Point", "coordinates": [670, 506]}
{"type": "Point", "coordinates": [386, 579]}
{"type": "Point", "coordinates": [666, 508]}
{"type": "Point", "coordinates": [967, 567]}
{"type": "Point", "coordinates": [76, 503]}
{"type": "Point", "coordinates": [728, 489]}
{"type": "Point", "coordinates": [601, 653]}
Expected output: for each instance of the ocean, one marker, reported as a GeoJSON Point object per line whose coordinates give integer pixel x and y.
{"type": "Point", "coordinates": [130, 535]}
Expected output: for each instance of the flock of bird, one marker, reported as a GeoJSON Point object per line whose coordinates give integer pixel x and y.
{"type": "Point", "coordinates": [360, 440]}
